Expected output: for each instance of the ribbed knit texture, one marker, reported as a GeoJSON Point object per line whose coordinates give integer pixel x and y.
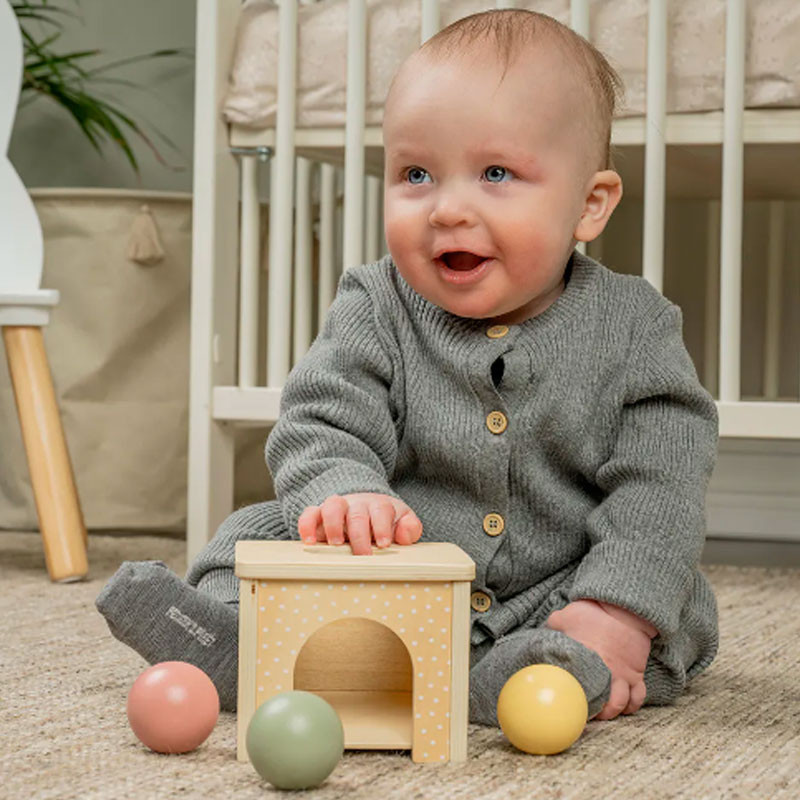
{"type": "Point", "coordinates": [600, 475]}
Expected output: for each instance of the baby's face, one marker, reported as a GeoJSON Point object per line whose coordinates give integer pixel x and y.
{"type": "Point", "coordinates": [485, 182]}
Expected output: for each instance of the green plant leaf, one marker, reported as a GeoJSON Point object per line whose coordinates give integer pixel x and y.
{"type": "Point", "coordinates": [171, 53]}
{"type": "Point", "coordinates": [66, 78]}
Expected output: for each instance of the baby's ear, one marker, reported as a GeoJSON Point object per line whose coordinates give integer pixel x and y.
{"type": "Point", "coordinates": [603, 193]}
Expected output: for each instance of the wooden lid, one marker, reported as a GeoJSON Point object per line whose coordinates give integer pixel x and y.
{"type": "Point", "coordinates": [423, 561]}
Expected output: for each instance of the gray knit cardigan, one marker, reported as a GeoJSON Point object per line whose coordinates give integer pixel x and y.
{"type": "Point", "coordinates": [599, 472]}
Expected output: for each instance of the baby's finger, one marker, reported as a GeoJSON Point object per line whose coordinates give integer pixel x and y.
{"type": "Point", "coordinates": [638, 694]}
{"type": "Point", "coordinates": [321, 537]}
{"type": "Point", "coordinates": [408, 529]}
{"type": "Point", "coordinates": [618, 699]}
{"type": "Point", "coordinates": [333, 511]}
{"type": "Point", "coordinates": [307, 524]}
{"type": "Point", "coordinates": [382, 518]}
{"type": "Point", "coordinates": [358, 527]}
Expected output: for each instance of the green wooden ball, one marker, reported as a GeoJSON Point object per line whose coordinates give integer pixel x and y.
{"type": "Point", "coordinates": [294, 740]}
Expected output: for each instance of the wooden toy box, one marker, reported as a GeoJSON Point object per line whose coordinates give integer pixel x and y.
{"type": "Point", "coordinates": [384, 638]}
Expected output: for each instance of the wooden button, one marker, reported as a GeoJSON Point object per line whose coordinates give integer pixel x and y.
{"type": "Point", "coordinates": [496, 422]}
{"type": "Point", "coordinates": [497, 331]}
{"type": "Point", "coordinates": [480, 601]}
{"type": "Point", "coordinates": [493, 524]}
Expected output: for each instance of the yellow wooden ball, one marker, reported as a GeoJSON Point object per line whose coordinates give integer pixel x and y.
{"type": "Point", "coordinates": [542, 709]}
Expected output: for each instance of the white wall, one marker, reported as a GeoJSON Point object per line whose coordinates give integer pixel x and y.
{"type": "Point", "coordinates": [47, 147]}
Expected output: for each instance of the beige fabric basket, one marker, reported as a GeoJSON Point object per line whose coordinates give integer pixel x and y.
{"type": "Point", "coordinates": [118, 345]}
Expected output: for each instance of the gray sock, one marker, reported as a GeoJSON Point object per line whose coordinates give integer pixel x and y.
{"type": "Point", "coordinates": [150, 609]}
{"type": "Point", "coordinates": [534, 646]}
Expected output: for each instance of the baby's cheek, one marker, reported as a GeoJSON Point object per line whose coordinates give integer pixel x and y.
{"type": "Point", "coordinates": [397, 226]}
{"type": "Point", "coordinates": [403, 242]}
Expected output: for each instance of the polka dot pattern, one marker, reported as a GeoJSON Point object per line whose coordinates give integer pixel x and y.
{"type": "Point", "coordinates": [419, 613]}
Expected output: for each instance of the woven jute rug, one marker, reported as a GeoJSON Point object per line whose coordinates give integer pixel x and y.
{"type": "Point", "coordinates": [64, 682]}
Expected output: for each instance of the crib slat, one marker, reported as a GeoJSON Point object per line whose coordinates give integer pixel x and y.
{"type": "Point", "coordinates": [213, 294]}
{"type": "Point", "coordinates": [579, 22]}
{"type": "Point", "coordinates": [579, 17]}
{"type": "Point", "coordinates": [249, 241]}
{"type": "Point", "coordinates": [373, 218]}
{"type": "Point", "coordinates": [595, 248]}
{"type": "Point", "coordinates": [327, 240]}
{"type": "Point", "coordinates": [655, 146]}
{"type": "Point", "coordinates": [772, 321]}
{"type": "Point", "coordinates": [354, 134]}
{"type": "Point", "coordinates": [430, 19]}
{"type": "Point", "coordinates": [282, 202]}
{"type": "Point", "coordinates": [732, 200]}
{"type": "Point", "coordinates": [301, 332]}
{"type": "Point", "coordinates": [711, 316]}
{"type": "Point", "coordinates": [384, 247]}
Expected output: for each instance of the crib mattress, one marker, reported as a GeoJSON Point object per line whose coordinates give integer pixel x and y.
{"type": "Point", "coordinates": [696, 54]}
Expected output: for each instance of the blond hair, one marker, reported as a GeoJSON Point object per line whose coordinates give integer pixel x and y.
{"type": "Point", "coordinates": [510, 30]}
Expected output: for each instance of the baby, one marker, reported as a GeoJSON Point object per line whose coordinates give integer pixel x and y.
{"type": "Point", "coordinates": [488, 385]}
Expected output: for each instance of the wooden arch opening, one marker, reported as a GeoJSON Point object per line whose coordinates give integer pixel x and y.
{"type": "Point", "coordinates": [363, 669]}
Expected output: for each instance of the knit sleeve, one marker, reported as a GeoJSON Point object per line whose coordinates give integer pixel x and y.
{"type": "Point", "coordinates": [336, 433]}
{"type": "Point", "coordinates": [647, 534]}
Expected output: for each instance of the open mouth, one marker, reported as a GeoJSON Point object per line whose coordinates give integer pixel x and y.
{"type": "Point", "coordinates": [461, 260]}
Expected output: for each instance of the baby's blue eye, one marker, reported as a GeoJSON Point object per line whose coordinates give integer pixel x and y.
{"type": "Point", "coordinates": [416, 175]}
{"type": "Point", "coordinates": [495, 174]}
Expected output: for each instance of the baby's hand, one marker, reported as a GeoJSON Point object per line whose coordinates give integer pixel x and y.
{"type": "Point", "coordinates": [620, 638]}
{"type": "Point", "coordinates": [360, 518]}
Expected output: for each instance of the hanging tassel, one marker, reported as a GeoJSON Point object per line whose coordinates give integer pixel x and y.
{"type": "Point", "coordinates": [144, 244]}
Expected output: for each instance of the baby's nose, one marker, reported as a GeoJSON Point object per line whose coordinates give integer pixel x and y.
{"type": "Point", "coordinates": [450, 210]}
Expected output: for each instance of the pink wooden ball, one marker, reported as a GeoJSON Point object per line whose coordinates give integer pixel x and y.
{"type": "Point", "coordinates": [173, 707]}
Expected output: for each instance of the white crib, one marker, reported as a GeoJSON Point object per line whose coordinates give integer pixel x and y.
{"type": "Point", "coordinates": [225, 388]}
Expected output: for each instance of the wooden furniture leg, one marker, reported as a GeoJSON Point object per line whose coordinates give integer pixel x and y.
{"type": "Point", "coordinates": [60, 518]}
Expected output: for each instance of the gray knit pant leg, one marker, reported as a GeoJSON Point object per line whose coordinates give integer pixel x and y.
{"type": "Point", "coordinates": [213, 569]}
{"type": "Point", "coordinates": [519, 649]}
{"type": "Point", "coordinates": [674, 660]}
{"type": "Point", "coordinates": [665, 675]}
{"type": "Point", "coordinates": [163, 618]}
